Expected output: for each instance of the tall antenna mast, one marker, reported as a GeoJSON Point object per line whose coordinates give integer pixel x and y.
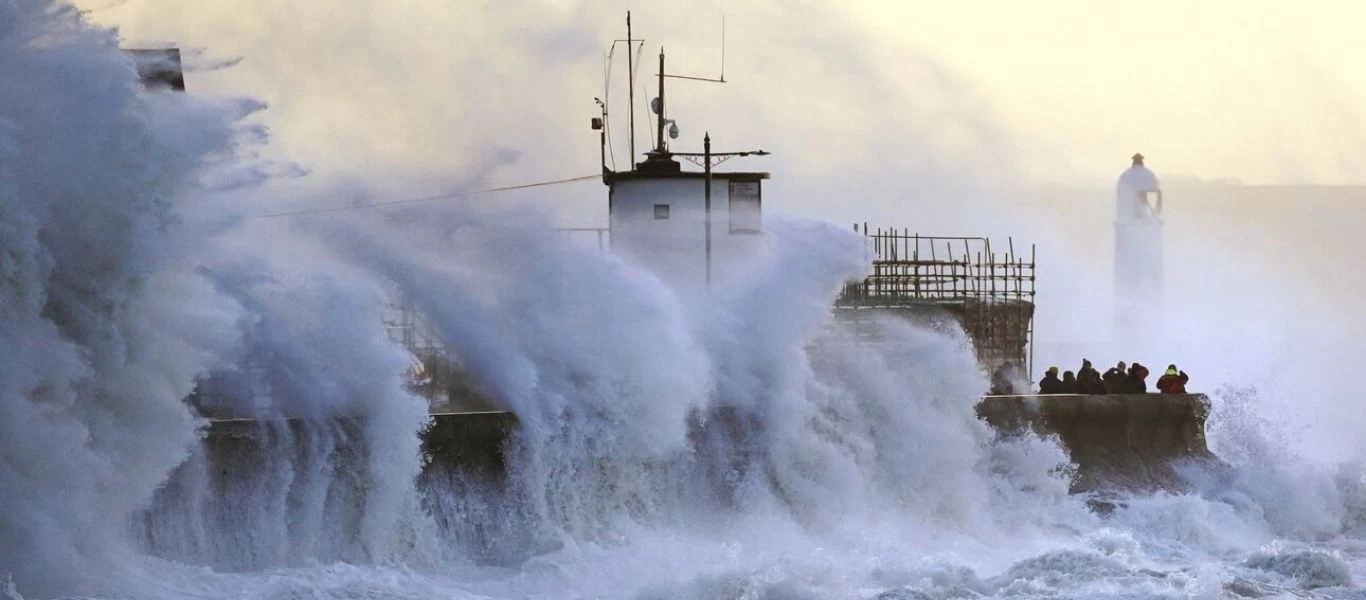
{"type": "Point", "coordinates": [657, 106]}
{"type": "Point", "coordinates": [631, 79]}
{"type": "Point", "coordinates": [659, 110]}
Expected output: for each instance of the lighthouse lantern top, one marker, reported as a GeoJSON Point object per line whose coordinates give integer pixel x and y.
{"type": "Point", "coordinates": [1138, 194]}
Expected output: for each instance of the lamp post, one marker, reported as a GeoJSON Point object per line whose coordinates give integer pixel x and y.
{"type": "Point", "coordinates": [708, 160]}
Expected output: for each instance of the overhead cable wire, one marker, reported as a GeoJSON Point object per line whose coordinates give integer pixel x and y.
{"type": "Point", "coordinates": [644, 98]}
{"type": "Point", "coordinates": [439, 197]}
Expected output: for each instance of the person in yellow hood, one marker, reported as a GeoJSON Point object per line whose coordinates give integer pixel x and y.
{"type": "Point", "coordinates": [1050, 384]}
{"type": "Point", "coordinates": [1173, 381]}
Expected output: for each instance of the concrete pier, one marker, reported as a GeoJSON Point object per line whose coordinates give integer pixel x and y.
{"type": "Point", "coordinates": [1122, 442]}
{"type": "Point", "coordinates": [1118, 442]}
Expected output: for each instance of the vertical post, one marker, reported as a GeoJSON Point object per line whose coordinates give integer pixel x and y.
{"type": "Point", "coordinates": [660, 117]}
{"type": "Point", "coordinates": [631, 86]}
{"type": "Point", "coordinates": [1033, 264]}
{"type": "Point", "coordinates": [706, 177]}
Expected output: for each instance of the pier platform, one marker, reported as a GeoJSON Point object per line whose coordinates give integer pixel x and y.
{"type": "Point", "coordinates": [1123, 442]}
{"type": "Point", "coordinates": [1119, 442]}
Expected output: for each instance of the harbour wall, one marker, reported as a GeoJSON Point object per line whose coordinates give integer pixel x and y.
{"type": "Point", "coordinates": [1119, 442]}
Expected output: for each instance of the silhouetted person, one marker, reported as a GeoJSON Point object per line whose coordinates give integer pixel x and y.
{"type": "Point", "coordinates": [1069, 383]}
{"type": "Point", "coordinates": [1086, 371]}
{"type": "Point", "coordinates": [1114, 379]}
{"type": "Point", "coordinates": [1136, 382]}
{"type": "Point", "coordinates": [1050, 384]}
{"type": "Point", "coordinates": [1093, 384]}
{"type": "Point", "coordinates": [1173, 381]}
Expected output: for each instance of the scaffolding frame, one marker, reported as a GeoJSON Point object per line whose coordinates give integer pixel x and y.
{"type": "Point", "coordinates": [927, 279]}
{"type": "Point", "coordinates": [990, 294]}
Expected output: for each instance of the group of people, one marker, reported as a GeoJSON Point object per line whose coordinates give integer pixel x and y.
{"type": "Point", "coordinates": [1120, 379]}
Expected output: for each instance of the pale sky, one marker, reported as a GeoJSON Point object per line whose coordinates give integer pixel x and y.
{"type": "Point", "coordinates": [1262, 91]}
{"type": "Point", "coordinates": [936, 97]}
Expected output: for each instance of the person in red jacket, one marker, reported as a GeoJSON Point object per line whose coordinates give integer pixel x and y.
{"type": "Point", "coordinates": [1173, 381]}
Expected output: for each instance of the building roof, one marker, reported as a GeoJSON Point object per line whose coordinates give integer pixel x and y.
{"type": "Point", "coordinates": [664, 166]}
{"type": "Point", "coordinates": [611, 177]}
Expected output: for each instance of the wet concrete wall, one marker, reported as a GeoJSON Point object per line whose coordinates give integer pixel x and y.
{"type": "Point", "coordinates": [1121, 442]}
{"type": "Point", "coordinates": [1118, 442]}
{"type": "Point", "coordinates": [259, 493]}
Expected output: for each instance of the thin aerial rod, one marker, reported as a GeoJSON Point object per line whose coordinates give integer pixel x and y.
{"type": "Point", "coordinates": [659, 118]}
{"type": "Point", "coordinates": [721, 79]}
{"type": "Point", "coordinates": [723, 47]}
{"type": "Point", "coordinates": [631, 74]}
{"type": "Point", "coordinates": [708, 79]}
{"type": "Point", "coordinates": [607, 62]}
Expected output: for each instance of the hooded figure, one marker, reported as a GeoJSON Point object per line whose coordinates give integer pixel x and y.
{"type": "Point", "coordinates": [1050, 383]}
{"type": "Point", "coordinates": [1092, 384]}
{"type": "Point", "coordinates": [1173, 381]}
{"type": "Point", "coordinates": [1136, 382]}
{"type": "Point", "coordinates": [1114, 378]}
{"type": "Point", "coordinates": [1069, 383]}
{"type": "Point", "coordinates": [1086, 371]}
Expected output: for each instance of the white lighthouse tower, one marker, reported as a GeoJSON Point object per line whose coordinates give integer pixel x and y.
{"type": "Point", "coordinates": [688, 227]}
{"type": "Point", "coordinates": [1138, 251]}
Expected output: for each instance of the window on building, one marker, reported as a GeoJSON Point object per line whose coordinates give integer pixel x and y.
{"type": "Point", "coordinates": [746, 214]}
{"type": "Point", "coordinates": [661, 212]}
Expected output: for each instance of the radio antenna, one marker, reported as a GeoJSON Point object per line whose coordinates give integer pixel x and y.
{"type": "Point", "coordinates": [631, 99]}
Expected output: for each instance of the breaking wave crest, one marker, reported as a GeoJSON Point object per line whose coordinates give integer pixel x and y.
{"type": "Point", "coordinates": [103, 333]}
{"type": "Point", "coordinates": [111, 309]}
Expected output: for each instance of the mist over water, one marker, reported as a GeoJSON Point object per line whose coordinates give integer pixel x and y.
{"type": "Point", "coordinates": [674, 442]}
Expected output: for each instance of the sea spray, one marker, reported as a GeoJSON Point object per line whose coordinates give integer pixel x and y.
{"type": "Point", "coordinates": [328, 471]}
{"type": "Point", "coordinates": [91, 411]}
{"type": "Point", "coordinates": [323, 353]}
{"type": "Point", "coordinates": [1270, 483]}
{"type": "Point", "coordinates": [105, 214]}
{"type": "Point", "coordinates": [593, 355]}
{"type": "Point", "coordinates": [645, 404]}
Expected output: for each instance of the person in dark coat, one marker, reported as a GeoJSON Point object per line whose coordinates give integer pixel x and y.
{"type": "Point", "coordinates": [1069, 383]}
{"type": "Point", "coordinates": [1114, 379]}
{"type": "Point", "coordinates": [1173, 381]}
{"type": "Point", "coordinates": [1093, 384]}
{"type": "Point", "coordinates": [1136, 382]}
{"type": "Point", "coordinates": [1086, 371]}
{"type": "Point", "coordinates": [1050, 384]}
